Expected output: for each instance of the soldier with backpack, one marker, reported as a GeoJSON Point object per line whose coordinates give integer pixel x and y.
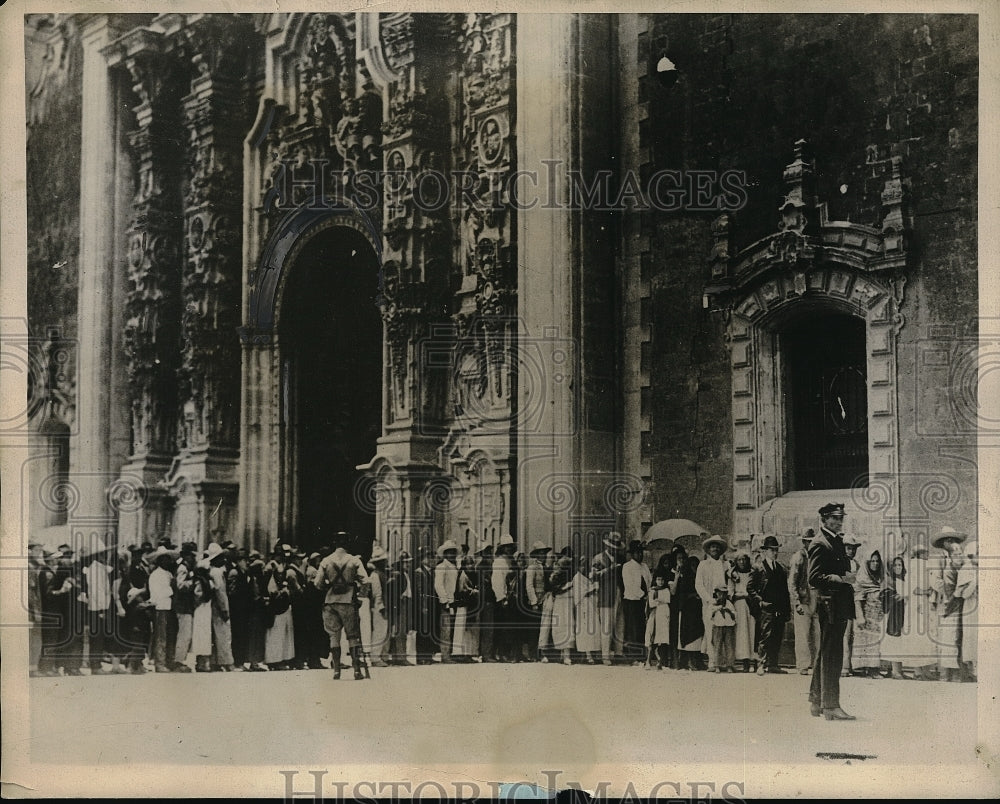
{"type": "Point", "coordinates": [338, 575]}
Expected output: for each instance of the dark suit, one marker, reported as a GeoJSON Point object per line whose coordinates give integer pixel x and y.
{"type": "Point", "coordinates": [428, 614]}
{"type": "Point", "coordinates": [828, 564]}
{"type": "Point", "coordinates": [768, 589]}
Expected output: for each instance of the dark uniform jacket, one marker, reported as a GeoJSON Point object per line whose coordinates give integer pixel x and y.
{"type": "Point", "coordinates": [828, 564]}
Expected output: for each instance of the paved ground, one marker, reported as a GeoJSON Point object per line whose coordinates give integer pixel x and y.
{"type": "Point", "coordinates": [485, 721]}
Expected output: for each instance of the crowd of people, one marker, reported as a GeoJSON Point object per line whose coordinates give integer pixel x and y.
{"type": "Point", "coordinates": [225, 608]}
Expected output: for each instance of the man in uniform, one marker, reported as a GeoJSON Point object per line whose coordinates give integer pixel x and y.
{"type": "Point", "coordinates": [830, 574]}
{"type": "Point", "coordinates": [338, 575]}
{"type": "Point", "coordinates": [769, 589]}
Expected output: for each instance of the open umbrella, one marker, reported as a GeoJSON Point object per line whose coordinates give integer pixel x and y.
{"type": "Point", "coordinates": [670, 530]}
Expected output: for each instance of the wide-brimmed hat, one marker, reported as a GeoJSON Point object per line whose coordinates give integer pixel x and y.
{"type": "Point", "coordinates": [539, 547]}
{"type": "Point", "coordinates": [379, 553]}
{"type": "Point", "coordinates": [614, 540]}
{"type": "Point", "coordinates": [506, 543]}
{"type": "Point", "coordinates": [719, 540]}
{"type": "Point", "coordinates": [449, 544]}
{"type": "Point", "coordinates": [852, 541]}
{"type": "Point", "coordinates": [213, 551]}
{"type": "Point", "coordinates": [833, 508]}
{"type": "Point", "coordinates": [945, 534]}
{"type": "Point", "coordinates": [314, 555]}
{"type": "Point", "coordinates": [770, 542]}
{"type": "Point", "coordinates": [808, 535]}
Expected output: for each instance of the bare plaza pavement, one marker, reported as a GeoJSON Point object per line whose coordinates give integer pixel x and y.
{"type": "Point", "coordinates": [738, 736]}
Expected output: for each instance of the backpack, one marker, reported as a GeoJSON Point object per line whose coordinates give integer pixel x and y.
{"type": "Point", "coordinates": [340, 585]}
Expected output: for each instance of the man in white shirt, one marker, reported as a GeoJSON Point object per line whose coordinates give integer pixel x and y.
{"type": "Point", "coordinates": [637, 580]}
{"type": "Point", "coordinates": [161, 595]}
{"type": "Point", "coordinates": [713, 573]}
{"type": "Point", "coordinates": [97, 589]}
{"type": "Point", "coordinates": [445, 582]}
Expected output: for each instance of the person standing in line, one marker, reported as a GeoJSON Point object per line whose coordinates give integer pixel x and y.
{"type": "Point", "coordinates": [722, 651]}
{"type": "Point", "coordinates": [505, 610]}
{"type": "Point", "coordinates": [238, 592]}
{"type": "Point", "coordinates": [539, 600]}
{"type": "Point", "coordinates": [256, 612]}
{"type": "Point", "coordinates": [426, 606]}
{"type": "Point", "coordinates": [465, 643]}
{"type": "Point", "coordinates": [97, 596]}
{"type": "Point", "coordinates": [896, 615]}
{"type": "Point", "coordinates": [161, 595]}
{"type": "Point", "coordinates": [222, 635]}
{"type": "Point", "coordinates": [201, 623]}
{"type": "Point", "coordinates": [691, 626]}
{"type": "Point", "coordinates": [36, 565]}
{"type": "Point", "coordinates": [739, 596]}
{"type": "Point", "coordinates": [445, 584]}
{"type": "Point", "coordinates": [869, 592]}
{"type": "Point", "coordinates": [637, 581]}
{"type": "Point", "coordinates": [675, 566]}
{"type": "Point", "coordinates": [279, 649]}
{"type": "Point", "coordinates": [587, 617]}
{"type": "Point", "coordinates": [563, 626]}
{"type": "Point", "coordinates": [713, 572]}
{"type": "Point", "coordinates": [608, 578]}
{"type": "Point", "coordinates": [805, 619]}
{"type": "Point", "coordinates": [485, 611]}
{"type": "Point", "coordinates": [769, 588]}
{"type": "Point", "coordinates": [378, 574]}
{"type": "Point", "coordinates": [944, 579]}
{"type": "Point", "coordinates": [184, 606]}
{"type": "Point", "coordinates": [830, 574]}
{"type": "Point", "coordinates": [967, 588]}
{"type": "Point", "coordinates": [399, 607]}
{"type": "Point", "coordinates": [851, 545]}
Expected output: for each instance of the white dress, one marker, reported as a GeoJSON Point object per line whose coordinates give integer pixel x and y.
{"type": "Point", "coordinates": [588, 627]}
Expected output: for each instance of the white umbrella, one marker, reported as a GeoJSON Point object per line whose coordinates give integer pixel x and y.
{"type": "Point", "coordinates": [670, 530]}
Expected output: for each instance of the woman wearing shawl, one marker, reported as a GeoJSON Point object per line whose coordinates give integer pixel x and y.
{"type": "Point", "coordinates": [257, 612]}
{"type": "Point", "coordinates": [896, 615]}
{"type": "Point", "coordinates": [868, 622]}
{"type": "Point", "coordinates": [739, 577]}
{"type": "Point", "coordinates": [588, 631]}
{"type": "Point", "coordinates": [691, 626]}
{"type": "Point", "coordinates": [678, 555]}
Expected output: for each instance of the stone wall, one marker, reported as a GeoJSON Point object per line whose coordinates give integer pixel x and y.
{"type": "Point", "coordinates": [863, 91]}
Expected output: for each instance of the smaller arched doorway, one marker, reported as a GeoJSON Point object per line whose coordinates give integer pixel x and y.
{"type": "Point", "coordinates": [330, 344]}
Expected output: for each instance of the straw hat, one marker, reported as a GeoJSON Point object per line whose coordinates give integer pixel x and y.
{"type": "Point", "coordinates": [719, 540]}
{"type": "Point", "coordinates": [946, 534]}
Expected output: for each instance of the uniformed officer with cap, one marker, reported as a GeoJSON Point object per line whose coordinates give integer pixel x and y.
{"type": "Point", "coordinates": [830, 574]}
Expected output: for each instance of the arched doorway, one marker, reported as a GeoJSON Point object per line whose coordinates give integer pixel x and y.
{"type": "Point", "coordinates": [330, 333]}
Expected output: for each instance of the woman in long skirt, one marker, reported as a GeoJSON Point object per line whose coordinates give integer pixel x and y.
{"type": "Point", "coordinates": [869, 617]}
{"type": "Point", "coordinates": [588, 626]}
{"type": "Point", "coordinates": [563, 627]}
{"type": "Point", "coordinates": [257, 613]}
{"type": "Point", "coordinates": [465, 636]}
{"type": "Point", "coordinates": [203, 592]}
{"type": "Point", "coordinates": [691, 625]}
{"type": "Point", "coordinates": [745, 626]}
{"type": "Point", "coordinates": [279, 645]}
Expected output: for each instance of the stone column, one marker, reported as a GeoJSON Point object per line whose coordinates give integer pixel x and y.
{"type": "Point", "coordinates": [99, 445]}
{"type": "Point", "coordinates": [567, 458]}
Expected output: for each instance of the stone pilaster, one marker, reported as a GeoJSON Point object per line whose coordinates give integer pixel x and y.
{"type": "Point", "coordinates": [203, 478]}
{"type": "Point", "coordinates": [152, 302]}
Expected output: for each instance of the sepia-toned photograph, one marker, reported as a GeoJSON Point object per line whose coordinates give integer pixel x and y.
{"type": "Point", "coordinates": [517, 403]}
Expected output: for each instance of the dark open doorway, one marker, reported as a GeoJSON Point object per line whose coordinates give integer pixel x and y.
{"type": "Point", "coordinates": [331, 335]}
{"type": "Point", "coordinates": [826, 400]}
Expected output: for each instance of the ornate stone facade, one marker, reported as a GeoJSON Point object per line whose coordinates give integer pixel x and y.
{"type": "Point", "coordinates": [547, 369]}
